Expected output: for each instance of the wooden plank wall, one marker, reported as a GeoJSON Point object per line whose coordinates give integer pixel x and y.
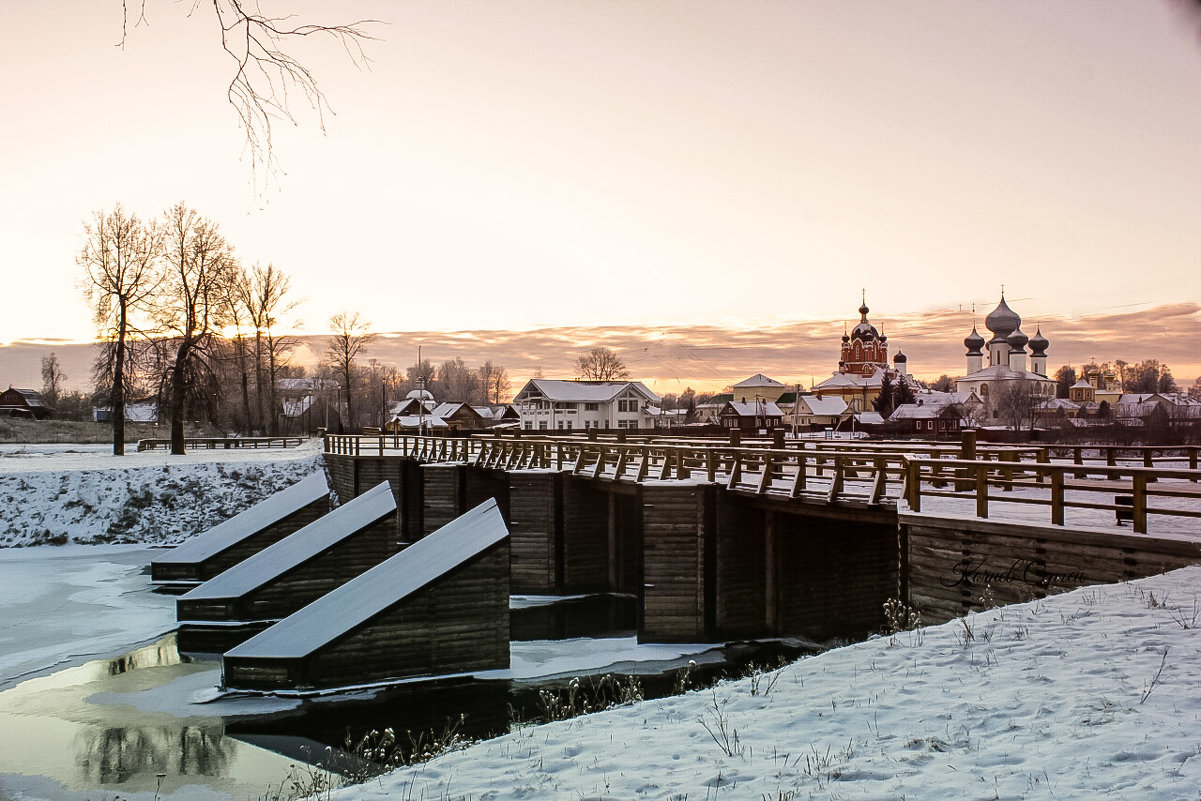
{"type": "Point", "coordinates": [585, 536]}
{"type": "Point", "coordinates": [833, 576]}
{"type": "Point", "coordinates": [958, 566]}
{"type": "Point", "coordinates": [460, 622]}
{"type": "Point", "coordinates": [343, 476]}
{"type": "Point", "coordinates": [673, 544]}
{"type": "Point", "coordinates": [741, 568]}
{"type": "Point", "coordinates": [482, 485]}
{"type": "Point", "coordinates": [306, 582]}
{"type": "Point", "coordinates": [351, 476]}
{"type": "Point", "coordinates": [535, 525]}
{"type": "Point", "coordinates": [256, 542]}
{"type": "Point", "coordinates": [443, 495]}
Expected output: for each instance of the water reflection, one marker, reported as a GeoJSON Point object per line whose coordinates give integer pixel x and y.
{"type": "Point", "coordinates": [115, 755]}
{"type": "Point", "coordinates": [162, 653]}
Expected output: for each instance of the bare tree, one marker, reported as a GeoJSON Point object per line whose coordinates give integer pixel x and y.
{"type": "Point", "coordinates": [266, 78]}
{"type": "Point", "coordinates": [495, 379]}
{"type": "Point", "coordinates": [459, 383]}
{"type": "Point", "coordinates": [192, 308]}
{"type": "Point", "coordinates": [601, 364]}
{"type": "Point", "coordinates": [120, 258]}
{"type": "Point", "coordinates": [267, 302]}
{"type": "Point", "coordinates": [349, 340]}
{"type": "Point", "coordinates": [52, 379]}
{"type": "Point", "coordinates": [1017, 403]}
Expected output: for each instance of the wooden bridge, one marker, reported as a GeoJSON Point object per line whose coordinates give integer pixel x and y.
{"type": "Point", "coordinates": [804, 537]}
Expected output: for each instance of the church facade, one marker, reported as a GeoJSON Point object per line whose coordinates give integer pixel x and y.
{"type": "Point", "coordinates": [863, 366]}
{"type": "Point", "coordinates": [1010, 367]}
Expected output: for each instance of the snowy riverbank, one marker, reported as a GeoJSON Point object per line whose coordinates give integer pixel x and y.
{"type": "Point", "coordinates": [83, 494]}
{"type": "Point", "coordinates": [1091, 694]}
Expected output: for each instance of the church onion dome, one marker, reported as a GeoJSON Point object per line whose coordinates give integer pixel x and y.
{"type": "Point", "coordinates": [1017, 341]}
{"type": "Point", "coordinates": [900, 358]}
{"type": "Point", "coordinates": [973, 343]}
{"type": "Point", "coordinates": [1039, 344]}
{"type": "Point", "coordinates": [864, 331]}
{"type": "Point", "coordinates": [1002, 320]}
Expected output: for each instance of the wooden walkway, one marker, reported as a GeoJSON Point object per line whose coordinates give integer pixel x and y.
{"type": "Point", "coordinates": [872, 474]}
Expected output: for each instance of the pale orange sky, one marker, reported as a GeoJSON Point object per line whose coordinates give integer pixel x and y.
{"type": "Point", "coordinates": [734, 166]}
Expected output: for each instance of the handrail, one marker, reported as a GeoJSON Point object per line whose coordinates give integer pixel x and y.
{"type": "Point", "coordinates": [224, 443]}
{"type": "Point", "coordinates": [871, 473]}
{"type": "Point", "coordinates": [1137, 486]}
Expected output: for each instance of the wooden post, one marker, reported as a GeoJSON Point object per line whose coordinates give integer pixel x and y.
{"type": "Point", "coordinates": [710, 465]}
{"type": "Point", "coordinates": [771, 577]}
{"type": "Point", "coordinates": [765, 479]}
{"type": "Point", "coordinates": [1057, 498]}
{"type": "Point", "coordinates": [798, 481]}
{"type": "Point", "coordinates": [1192, 460]}
{"type": "Point", "coordinates": [913, 485]}
{"type": "Point", "coordinates": [1111, 460]}
{"type": "Point", "coordinates": [1140, 502]}
{"type": "Point", "coordinates": [1007, 473]}
{"type": "Point", "coordinates": [1044, 457]}
{"type": "Point", "coordinates": [982, 492]}
{"type": "Point", "coordinates": [614, 551]}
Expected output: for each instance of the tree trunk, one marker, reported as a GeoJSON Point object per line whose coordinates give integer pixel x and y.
{"type": "Point", "coordinates": [179, 394]}
{"type": "Point", "coordinates": [117, 401]}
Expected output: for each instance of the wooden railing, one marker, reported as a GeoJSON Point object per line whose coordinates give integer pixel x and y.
{"type": "Point", "coordinates": [213, 443]}
{"type": "Point", "coordinates": [877, 473]}
{"type": "Point", "coordinates": [1059, 487]}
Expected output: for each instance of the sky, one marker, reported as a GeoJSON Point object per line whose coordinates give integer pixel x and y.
{"type": "Point", "coordinates": [590, 171]}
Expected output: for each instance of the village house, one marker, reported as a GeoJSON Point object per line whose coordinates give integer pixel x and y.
{"type": "Point", "coordinates": [556, 405]}
{"type": "Point", "coordinates": [23, 403]}
{"type": "Point", "coordinates": [751, 417]}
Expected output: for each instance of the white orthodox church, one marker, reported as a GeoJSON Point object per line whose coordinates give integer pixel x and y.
{"type": "Point", "coordinates": [1007, 360]}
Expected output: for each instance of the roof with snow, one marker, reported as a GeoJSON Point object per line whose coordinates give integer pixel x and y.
{"type": "Point", "coordinates": [255, 519]}
{"type": "Point", "coordinates": [311, 540]}
{"type": "Point", "coordinates": [755, 408]}
{"type": "Point", "coordinates": [384, 585]}
{"type": "Point", "coordinates": [585, 391]}
{"type": "Point", "coordinates": [828, 406]}
{"type": "Point", "coordinates": [758, 380]}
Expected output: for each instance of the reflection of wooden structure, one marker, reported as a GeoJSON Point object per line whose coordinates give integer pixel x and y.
{"type": "Point", "coordinates": [440, 606]}
{"type": "Point", "coordinates": [295, 571]}
{"type": "Point", "coordinates": [244, 534]}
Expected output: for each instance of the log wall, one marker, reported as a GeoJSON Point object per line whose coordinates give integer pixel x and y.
{"type": "Point", "coordinates": [303, 583]}
{"type": "Point", "coordinates": [958, 566]}
{"type": "Point", "coordinates": [351, 476]}
{"type": "Point", "coordinates": [585, 537]}
{"type": "Point", "coordinates": [833, 576]}
{"type": "Point", "coordinates": [676, 527]}
{"type": "Point", "coordinates": [741, 572]}
{"type": "Point", "coordinates": [444, 495]}
{"type": "Point", "coordinates": [458, 623]}
{"type": "Point", "coordinates": [535, 528]}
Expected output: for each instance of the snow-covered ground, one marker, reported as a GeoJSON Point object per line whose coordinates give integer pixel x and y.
{"type": "Point", "coordinates": [84, 494]}
{"type": "Point", "coordinates": [1095, 693]}
{"type": "Point", "coordinates": [1091, 694]}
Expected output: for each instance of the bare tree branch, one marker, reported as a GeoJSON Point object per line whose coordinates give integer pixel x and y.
{"type": "Point", "coordinates": [265, 74]}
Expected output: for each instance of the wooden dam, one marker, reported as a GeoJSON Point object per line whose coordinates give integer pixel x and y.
{"type": "Point", "coordinates": [807, 538]}
{"type": "Point", "coordinates": [411, 573]}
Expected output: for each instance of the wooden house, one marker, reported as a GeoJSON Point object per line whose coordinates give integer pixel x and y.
{"type": "Point", "coordinates": [23, 403]}
{"type": "Point", "coordinates": [460, 417]}
{"type": "Point", "coordinates": [439, 606]}
{"type": "Point", "coordinates": [751, 417]}
{"type": "Point", "coordinates": [300, 568]}
{"type": "Point", "coordinates": [243, 535]}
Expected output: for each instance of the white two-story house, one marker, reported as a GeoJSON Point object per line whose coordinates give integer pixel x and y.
{"type": "Point", "coordinates": [552, 405]}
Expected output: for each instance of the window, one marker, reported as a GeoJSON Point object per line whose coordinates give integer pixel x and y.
{"type": "Point", "coordinates": [569, 406]}
{"type": "Point", "coordinates": [541, 425]}
{"type": "Point", "coordinates": [560, 425]}
{"type": "Point", "coordinates": [591, 407]}
{"type": "Point", "coordinates": [568, 425]}
{"type": "Point", "coordinates": [529, 425]}
{"type": "Point", "coordinates": [627, 405]}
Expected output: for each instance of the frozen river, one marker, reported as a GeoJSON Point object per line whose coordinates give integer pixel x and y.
{"type": "Point", "coordinates": [96, 702]}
